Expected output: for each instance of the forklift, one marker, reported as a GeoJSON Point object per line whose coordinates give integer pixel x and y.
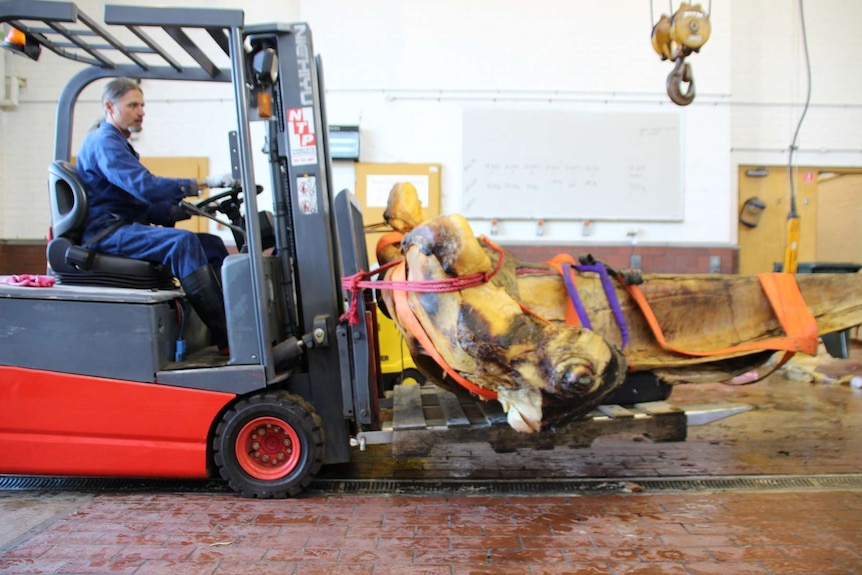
{"type": "Point", "coordinates": [109, 372]}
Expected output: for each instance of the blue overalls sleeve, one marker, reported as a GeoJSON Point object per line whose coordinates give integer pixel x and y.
{"type": "Point", "coordinates": [122, 168]}
{"type": "Point", "coordinates": [162, 214]}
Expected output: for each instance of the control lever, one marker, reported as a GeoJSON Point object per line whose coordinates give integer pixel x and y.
{"type": "Point", "coordinates": [196, 211]}
{"type": "Point", "coordinates": [291, 348]}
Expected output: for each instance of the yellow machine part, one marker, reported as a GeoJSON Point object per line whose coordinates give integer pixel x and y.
{"type": "Point", "coordinates": [690, 26]}
{"type": "Point", "coordinates": [791, 250]}
{"type": "Point", "coordinates": [395, 360]}
{"type": "Point", "coordinates": [661, 42]}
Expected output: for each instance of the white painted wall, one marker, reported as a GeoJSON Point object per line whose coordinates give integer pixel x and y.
{"type": "Point", "coordinates": [183, 119]}
{"type": "Point", "coordinates": [769, 82]}
{"type": "Point", "coordinates": [404, 72]}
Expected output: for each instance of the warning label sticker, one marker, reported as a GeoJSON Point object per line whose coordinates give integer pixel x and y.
{"type": "Point", "coordinates": [306, 187]}
{"type": "Point", "coordinates": [303, 140]}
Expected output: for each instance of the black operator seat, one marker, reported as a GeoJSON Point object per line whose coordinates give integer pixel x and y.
{"type": "Point", "coordinates": [76, 265]}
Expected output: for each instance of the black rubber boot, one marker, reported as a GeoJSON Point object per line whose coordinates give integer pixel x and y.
{"type": "Point", "coordinates": [204, 293]}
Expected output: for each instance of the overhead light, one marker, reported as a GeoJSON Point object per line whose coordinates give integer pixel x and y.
{"type": "Point", "coordinates": [21, 43]}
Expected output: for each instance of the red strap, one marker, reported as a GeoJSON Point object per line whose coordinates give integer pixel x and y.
{"type": "Point", "coordinates": [408, 320]}
{"type": "Point", "coordinates": [29, 280]}
{"type": "Point", "coordinates": [787, 303]}
{"type": "Point", "coordinates": [356, 282]}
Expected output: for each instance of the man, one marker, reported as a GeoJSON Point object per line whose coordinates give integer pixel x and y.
{"type": "Point", "coordinates": [125, 199]}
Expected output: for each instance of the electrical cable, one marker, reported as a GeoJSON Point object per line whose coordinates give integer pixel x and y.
{"type": "Point", "coordinates": [804, 109]}
{"type": "Point", "coordinates": [180, 352]}
{"type": "Point", "coordinates": [792, 248]}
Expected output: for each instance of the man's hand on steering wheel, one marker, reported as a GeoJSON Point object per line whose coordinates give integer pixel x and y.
{"type": "Point", "coordinates": [224, 181]}
{"type": "Point", "coordinates": [214, 203]}
{"type": "Point", "coordinates": [226, 202]}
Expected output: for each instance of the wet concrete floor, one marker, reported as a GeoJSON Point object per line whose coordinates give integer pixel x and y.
{"type": "Point", "coordinates": [795, 426]}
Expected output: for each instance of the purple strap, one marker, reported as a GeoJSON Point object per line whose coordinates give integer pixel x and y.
{"type": "Point", "coordinates": [609, 293]}
{"type": "Point", "coordinates": [575, 297]}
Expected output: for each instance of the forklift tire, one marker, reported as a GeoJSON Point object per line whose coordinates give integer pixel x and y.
{"type": "Point", "coordinates": [269, 445]}
{"type": "Point", "coordinates": [411, 374]}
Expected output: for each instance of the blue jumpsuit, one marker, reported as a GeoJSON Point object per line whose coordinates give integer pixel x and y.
{"type": "Point", "coordinates": [124, 195]}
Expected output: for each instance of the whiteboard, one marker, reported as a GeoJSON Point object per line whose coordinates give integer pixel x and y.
{"type": "Point", "coordinates": [525, 164]}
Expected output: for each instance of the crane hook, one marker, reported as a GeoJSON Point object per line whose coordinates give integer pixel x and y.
{"type": "Point", "coordinates": [681, 73]}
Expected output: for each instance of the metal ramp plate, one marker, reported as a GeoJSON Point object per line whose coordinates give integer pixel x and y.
{"type": "Point", "coordinates": [423, 416]}
{"type": "Point", "coordinates": [703, 413]}
{"type": "Point", "coordinates": [407, 412]}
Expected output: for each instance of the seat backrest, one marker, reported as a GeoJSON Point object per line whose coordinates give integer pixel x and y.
{"type": "Point", "coordinates": [68, 201]}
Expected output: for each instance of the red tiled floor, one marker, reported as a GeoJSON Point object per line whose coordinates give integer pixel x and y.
{"type": "Point", "coordinates": [795, 428]}
{"type": "Point", "coordinates": [784, 533]}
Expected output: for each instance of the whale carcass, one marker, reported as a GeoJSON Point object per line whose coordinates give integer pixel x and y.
{"type": "Point", "coordinates": [508, 333]}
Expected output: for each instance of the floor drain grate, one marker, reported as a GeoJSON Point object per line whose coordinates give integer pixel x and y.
{"type": "Point", "coordinates": [107, 484]}
{"type": "Point", "coordinates": [591, 485]}
{"type": "Point", "coordinates": [582, 486]}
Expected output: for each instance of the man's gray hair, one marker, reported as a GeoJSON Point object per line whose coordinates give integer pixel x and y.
{"type": "Point", "coordinates": [117, 88]}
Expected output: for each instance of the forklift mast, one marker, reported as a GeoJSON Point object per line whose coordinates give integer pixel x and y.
{"type": "Point", "coordinates": [318, 237]}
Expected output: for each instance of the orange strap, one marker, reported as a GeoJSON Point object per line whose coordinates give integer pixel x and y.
{"type": "Point", "coordinates": [557, 262]}
{"type": "Point", "coordinates": [783, 293]}
{"type": "Point", "coordinates": [388, 239]}
{"type": "Point", "coordinates": [408, 320]}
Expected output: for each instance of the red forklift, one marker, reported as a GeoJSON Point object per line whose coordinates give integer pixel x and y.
{"type": "Point", "coordinates": [109, 372]}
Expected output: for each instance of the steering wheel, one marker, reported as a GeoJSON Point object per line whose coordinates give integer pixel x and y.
{"type": "Point", "coordinates": [208, 204]}
{"type": "Point", "coordinates": [228, 203]}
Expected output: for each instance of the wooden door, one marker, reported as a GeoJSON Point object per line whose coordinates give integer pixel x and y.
{"type": "Point", "coordinates": [373, 183]}
{"type": "Point", "coordinates": [762, 246]}
{"type": "Point", "coordinates": [839, 218]}
{"type": "Point", "coordinates": [182, 167]}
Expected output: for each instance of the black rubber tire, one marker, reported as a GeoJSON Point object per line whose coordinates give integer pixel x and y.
{"type": "Point", "coordinates": [639, 387]}
{"type": "Point", "coordinates": [300, 421]}
{"type": "Point", "coordinates": [411, 374]}
{"type": "Point", "coordinates": [390, 380]}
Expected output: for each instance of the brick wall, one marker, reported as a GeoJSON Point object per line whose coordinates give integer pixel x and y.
{"type": "Point", "coordinates": [654, 259]}
{"type": "Point", "coordinates": [22, 257]}
{"type": "Point", "coordinates": [29, 257]}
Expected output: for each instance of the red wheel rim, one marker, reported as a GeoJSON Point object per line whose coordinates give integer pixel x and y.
{"type": "Point", "coordinates": [267, 448]}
